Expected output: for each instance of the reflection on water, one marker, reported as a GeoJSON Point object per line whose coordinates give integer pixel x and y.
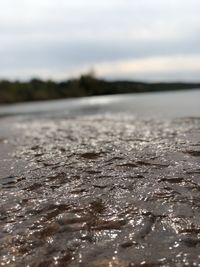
{"type": "Point", "coordinates": [102, 191]}
{"type": "Point", "coordinates": [166, 104]}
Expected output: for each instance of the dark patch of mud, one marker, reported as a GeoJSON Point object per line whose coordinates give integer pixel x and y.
{"type": "Point", "coordinates": [101, 192]}
{"type": "Point", "coordinates": [193, 153]}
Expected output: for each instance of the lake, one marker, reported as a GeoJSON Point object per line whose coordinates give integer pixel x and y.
{"type": "Point", "coordinates": [162, 104]}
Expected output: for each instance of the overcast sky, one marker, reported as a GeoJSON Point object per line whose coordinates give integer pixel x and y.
{"type": "Point", "coordinates": [119, 39]}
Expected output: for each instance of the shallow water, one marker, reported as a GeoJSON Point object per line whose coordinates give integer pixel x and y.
{"type": "Point", "coordinates": [101, 190]}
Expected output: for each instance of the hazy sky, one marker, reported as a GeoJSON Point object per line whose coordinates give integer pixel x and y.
{"type": "Point", "coordinates": [120, 39]}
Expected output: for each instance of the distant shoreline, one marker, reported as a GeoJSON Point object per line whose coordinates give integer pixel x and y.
{"type": "Point", "coordinates": [86, 85]}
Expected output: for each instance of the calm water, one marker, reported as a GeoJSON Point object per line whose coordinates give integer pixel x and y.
{"type": "Point", "coordinates": [166, 104]}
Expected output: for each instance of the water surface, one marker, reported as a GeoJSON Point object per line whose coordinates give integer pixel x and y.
{"type": "Point", "coordinates": [98, 182]}
{"type": "Point", "coordinates": [166, 104]}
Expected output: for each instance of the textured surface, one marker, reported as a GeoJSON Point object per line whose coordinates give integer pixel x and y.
{"type": "Point", "coordinates": [102, 191]}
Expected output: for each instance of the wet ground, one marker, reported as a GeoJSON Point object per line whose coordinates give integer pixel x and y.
{"type": "Point", "coordinates": [100, 191]}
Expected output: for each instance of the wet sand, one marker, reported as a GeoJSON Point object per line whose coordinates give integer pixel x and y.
{"type": "Point", "coordinates": [101, 190]}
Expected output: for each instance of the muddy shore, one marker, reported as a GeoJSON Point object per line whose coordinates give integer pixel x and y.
{"type": "Point", "coordinates": [99, 190]}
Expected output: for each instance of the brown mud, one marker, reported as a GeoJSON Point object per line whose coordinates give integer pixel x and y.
{"type": "Point", "coordinates": [101, 191]}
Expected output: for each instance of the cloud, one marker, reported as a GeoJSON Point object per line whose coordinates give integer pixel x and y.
{"type": "Point", "coordinates": [68, 35]}
{"type": "Point", "coordinates": [175, 68]}
{"type": "Point", "coordinates": [152, 65]}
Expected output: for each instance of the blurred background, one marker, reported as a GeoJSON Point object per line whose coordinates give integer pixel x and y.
{"type": "Point", "coordinates": [148, 40]}
{"type": "Point", "coordinates": [58, 49]}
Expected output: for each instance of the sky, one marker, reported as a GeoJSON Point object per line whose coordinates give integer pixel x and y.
{"type": "Point", "coordinates": [147, 40]}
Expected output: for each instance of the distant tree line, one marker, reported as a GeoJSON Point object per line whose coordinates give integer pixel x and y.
{"type": "Point", "coordinates": [86, 85]}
